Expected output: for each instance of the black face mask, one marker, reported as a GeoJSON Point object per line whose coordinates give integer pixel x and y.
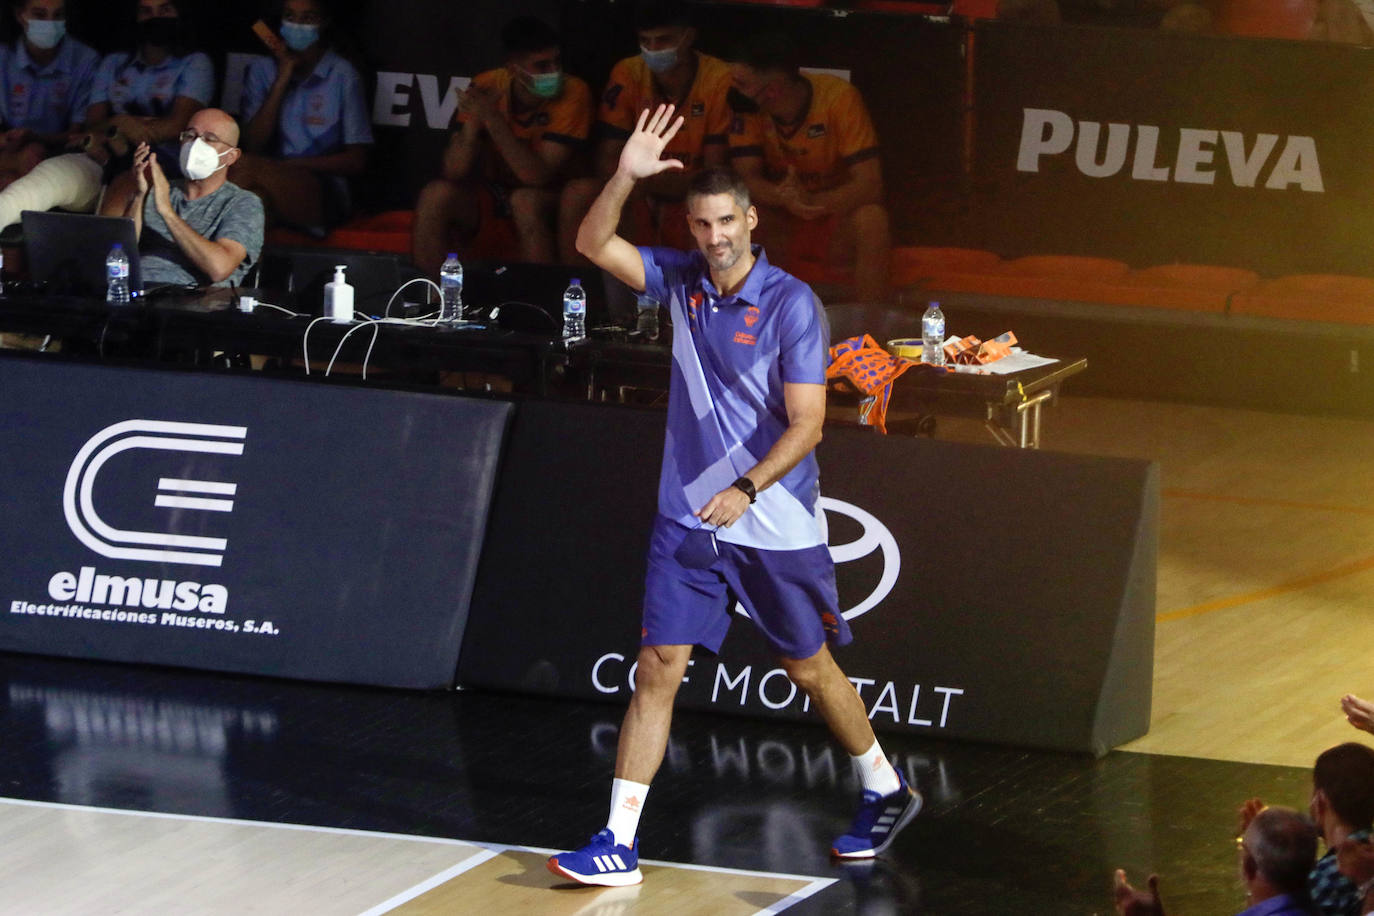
{"type": "Point", "coordinates": [161, 32]}
{"type": "Point", "coordinates": [740, 103]}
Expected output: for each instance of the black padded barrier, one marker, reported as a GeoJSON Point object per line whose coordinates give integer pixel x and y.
{"type": "Point", "coordinates": [1011, 592]}
{"type": "Point", "coordinates": [323, 532]}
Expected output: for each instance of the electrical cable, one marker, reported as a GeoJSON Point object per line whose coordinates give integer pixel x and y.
{"type": "Point", "coordinates": [369, 322]}
{"type": "Point", "coordinates": [431, 285]}
{"type": "Point", "coordinates": [305, 341]}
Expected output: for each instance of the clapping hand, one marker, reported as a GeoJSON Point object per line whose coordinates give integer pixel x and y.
{"type": "Point", "coordinates": [796, 199]}
{"type": "Point", "coordinates": [1355, 859]}
{"type": "Point", "coordinates": [1247, 813]}
{"type": "Point", "coordinates": [1358, 712]}
{"type": "Point", "coordinates": [479, 104]}
{"type": "Point", "coordinates": [142, 172]}
{"type": "Point", "coordinates": [640, 157]}
{"type": "Point", "coordinates": [1131, 902]}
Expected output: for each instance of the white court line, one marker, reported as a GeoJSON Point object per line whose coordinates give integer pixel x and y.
{"type": "Point", "coordinates": [815, 884]}
{"type": "Point", "coordinates": [443, 877]}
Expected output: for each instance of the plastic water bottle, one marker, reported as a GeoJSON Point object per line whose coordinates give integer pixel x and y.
{"type": "Point", "coordinates": [933, 336]}
{"type": "Point", "coordinates": [451, 291]}
{"type": "Point", "coordinates": [647, 324]}
{"type": "Point", "coordinates": [574, 311]}
{"type": "Point", "coordinates": [117, 276]}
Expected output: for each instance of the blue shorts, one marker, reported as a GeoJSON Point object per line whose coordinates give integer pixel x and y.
{"type": "Point", "coordinates": [789, 594]}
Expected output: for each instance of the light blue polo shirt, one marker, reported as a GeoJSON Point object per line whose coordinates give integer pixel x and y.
{"type": "Point", "coordinates": [321, 114]}
{"type": "Point", "coordinates": [135, 88]}
{"type": "Point", "coordinates": [50, 99]}
{"type": "Point", "coordinates": [731, 357]}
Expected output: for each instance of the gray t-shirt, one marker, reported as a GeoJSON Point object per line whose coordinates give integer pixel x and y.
{"type": "Point", "coordinates": [228, 213]}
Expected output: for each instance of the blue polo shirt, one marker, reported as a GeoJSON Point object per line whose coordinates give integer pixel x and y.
{"type": "Point", "coordinates": [321, 114]}
{"type": "Point", "coordinates": [133, 87]}
{"type": "Point", "coordinates": [731, 357]}
{"type": "Point", "coordinates": [48, 99]}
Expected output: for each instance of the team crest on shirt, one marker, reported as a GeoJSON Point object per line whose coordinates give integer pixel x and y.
{"type": "Point", "coordinates": [751, 317]}
{"type": "Point", "coordinates": [612, 93]}
{"type": "Point", "coordinates": [698, 109]}
{"type": "Point", "coordinates": [814, 131]}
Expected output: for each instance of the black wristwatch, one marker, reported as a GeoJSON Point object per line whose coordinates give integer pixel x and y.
{"type": "Point", "coordinates": [746, 486]}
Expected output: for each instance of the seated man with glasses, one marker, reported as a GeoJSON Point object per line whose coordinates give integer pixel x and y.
{"type": "Point", "coordinates": [202, 229]}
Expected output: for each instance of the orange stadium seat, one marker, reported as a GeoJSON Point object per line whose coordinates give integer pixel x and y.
{"type": "Point", "coordinates": [388, 231]}
{"type": "Point", "coordinates": [391, 230]}
{"type": "Point", "coordinates": [1265, 18]}
{"type": "Point", "coordinates": [907, 7]}
{"type": "Point", "coordinates": [975, 9]}
{"type": "Point", "coordinates": [924, 265]}
{"type": "Point", "coordinates": [1188, 287]}
{"type": "Point", "coordinates": [1066, 277]}
{"type": "Point", "coordinates": [1310, 297]}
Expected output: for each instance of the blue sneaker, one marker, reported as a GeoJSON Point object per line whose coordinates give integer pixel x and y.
{"type": "Point", "coordinates": [878, 821]}
{"type": "Point", "coordinates": [601, 861]}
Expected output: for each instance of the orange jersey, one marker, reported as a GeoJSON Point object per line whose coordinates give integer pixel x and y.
{"type": "Point", "coordinates": [835, 133]}
{"type": "Point", "coordinates": [566, 119]}
{"type": "Point", "coordinates": [631, 89]}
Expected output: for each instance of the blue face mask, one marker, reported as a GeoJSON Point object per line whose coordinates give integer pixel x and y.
{"type": "Point", "coordinates": [544, 85]}
{"type": "Point", "coordinates": [45, 33]}
{"type": "Point", "coordinates": [298, 35]}
{"type": "Point", "coordinates": [659, 61]}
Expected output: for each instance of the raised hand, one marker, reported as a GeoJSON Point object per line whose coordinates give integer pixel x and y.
{"type": "Point", "coordinates": [141, 156]}
{"type": "Point", "coordinates": [1131, 902]}
{"type": "Point", "coordinates": [1358, 712]}
{"type": "Point", "coordinates": [1247, 813]}
{"type": "Point", "coordinates": [640, 157]}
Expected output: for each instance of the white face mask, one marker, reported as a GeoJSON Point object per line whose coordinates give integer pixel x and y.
{"type": "Point", "coordinates": [199, 159]}
{"type": "Point", "coordinates": [45, 33]}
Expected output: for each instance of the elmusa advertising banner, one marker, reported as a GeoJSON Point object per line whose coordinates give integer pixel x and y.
{"type": "Point", "coordinates": [239, 524]}
{"type": "Point", "coordinates": [996, 594]}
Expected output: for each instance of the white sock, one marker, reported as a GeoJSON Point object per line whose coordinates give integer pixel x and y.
{"type": "Point", "coordinates": [875, 771]}
{"type": "Point", "coordinates": [627, 801]}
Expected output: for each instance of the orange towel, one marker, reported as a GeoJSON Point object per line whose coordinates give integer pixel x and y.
{"type": "Point", "coordinates": [870, 370]}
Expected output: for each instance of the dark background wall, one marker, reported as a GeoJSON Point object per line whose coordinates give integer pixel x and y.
{"type": "Point", "coordinates": [947, 99]}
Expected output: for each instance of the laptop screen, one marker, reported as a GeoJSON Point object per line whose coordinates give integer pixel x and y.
{"type": "Point", "coordinates": [67, 251]}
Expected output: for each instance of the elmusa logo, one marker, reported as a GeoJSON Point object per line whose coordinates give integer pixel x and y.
{"type": "Point", "coordinates": [152, 546]}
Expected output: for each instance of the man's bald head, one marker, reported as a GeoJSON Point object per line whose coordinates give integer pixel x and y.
{"type": "Point", "coordinates": [217, 122]}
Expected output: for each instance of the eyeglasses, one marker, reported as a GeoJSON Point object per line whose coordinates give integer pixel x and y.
{"type": "Point", "coordinates": [186, 136]}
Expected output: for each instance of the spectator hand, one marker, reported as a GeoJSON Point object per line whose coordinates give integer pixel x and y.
{"type": "Point", "coordinates": [795, 198]}
{"type": "Point", "coordinates": [141, 168]}
{"type": "Point", "coordinates": [479, 104]}
{"type": "Point", "coordinates": [1358, 712]}
{"type": "Point", "coordinates": [162, 191]}
{"type": "Point", "coordinates": [1131, 902]}
{"type": "Point", "coordinates": [640, 156]}
{"type": "Point", "coordinates": [14, 138]}
{"type": "Point", "coordinates": [1355, 859]}
{"type": "Point", "coordinates": [1247, 813]}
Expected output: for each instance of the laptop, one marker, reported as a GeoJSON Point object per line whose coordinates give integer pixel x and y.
{"type": "Point", "coordinates": [530, 296]}
{"type": "Point", "coordinates": [66, 251]}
